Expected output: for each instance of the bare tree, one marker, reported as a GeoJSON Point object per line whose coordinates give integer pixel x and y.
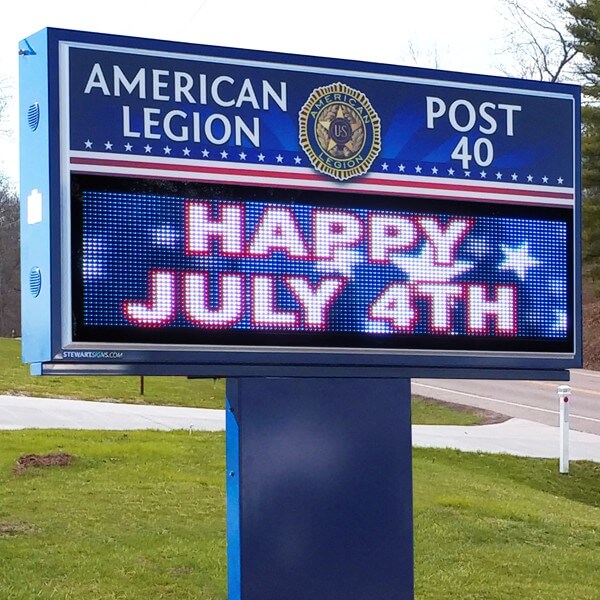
{"type": "Point", "coordinates": [538, 41]}
{"type": "Point", "coordinates": [430, 58]}
{"type": "Point", "coordinates": [5, 96]}
{"type": "Point", "coordinates": [10, 282]}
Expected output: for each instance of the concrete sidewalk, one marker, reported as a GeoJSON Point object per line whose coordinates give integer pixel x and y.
{"type": "Point", "coordinates": [515, 436]}
{"type": "Point", "coordinates": [22, 412]}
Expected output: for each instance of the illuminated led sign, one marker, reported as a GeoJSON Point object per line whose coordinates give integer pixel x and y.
{"type": "Point", "coordinates": [221, 207]}
{"type": "Point", "coordinates": [222, 265]}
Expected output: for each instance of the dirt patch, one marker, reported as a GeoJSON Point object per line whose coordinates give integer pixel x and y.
{"type": "Point", "coordinates": [35, 461]}
{"type": "Point", "coordinates": [181, 570]}
{"type": "Point", "coordinates": [12, 529]}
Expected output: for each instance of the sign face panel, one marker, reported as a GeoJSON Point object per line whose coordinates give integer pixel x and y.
{"type": "Point", "coordinates": [286, 125]}
{"type": "Point", "coordinates": [222, 207]}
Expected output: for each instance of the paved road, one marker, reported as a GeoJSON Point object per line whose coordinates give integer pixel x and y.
{"type": "Point", "coordinates": [530, 400]}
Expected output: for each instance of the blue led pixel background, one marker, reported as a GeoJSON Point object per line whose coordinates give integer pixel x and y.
{"type": "Point", "coordinates": [419, 282]}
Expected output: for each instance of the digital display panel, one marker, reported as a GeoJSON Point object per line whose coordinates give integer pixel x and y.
{"type": "Point", "coordinates": [192, 263]}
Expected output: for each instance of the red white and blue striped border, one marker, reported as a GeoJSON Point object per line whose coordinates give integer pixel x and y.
{"type": "Point", "coordinates": [305, 178]}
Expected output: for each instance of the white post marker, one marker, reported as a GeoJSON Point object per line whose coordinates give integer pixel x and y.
{"type": "Point", "coordinates": [564, 396]}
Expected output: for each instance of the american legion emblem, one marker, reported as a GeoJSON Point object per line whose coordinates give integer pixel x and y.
{"type": "Point", "coordinates": [339, 131]}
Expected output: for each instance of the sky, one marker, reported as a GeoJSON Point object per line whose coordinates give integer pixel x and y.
{"type": "Point", "coordinates": [462, 35]}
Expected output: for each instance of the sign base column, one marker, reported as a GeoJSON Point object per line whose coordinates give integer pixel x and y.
{"type": "Point", "coordinates": [319, 494]}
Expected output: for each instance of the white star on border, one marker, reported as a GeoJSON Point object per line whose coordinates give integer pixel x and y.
{"type": "Point", "coordinates": [148, 148]}
{"type": "Point", "coordinates": [529, 178]}
{"type": "Point", "coordinates": [205, 153]}
{"type": "Point", "coordinates": [242, 156]}
{"type": "Point", "coordinates": [224, 154]}
{"type": "Point", "coordinates": [418, 168]}
{"type": "Point", "coordinates": [545, 179]}
{"type": "Point", "coordinates": [108, 145]}
{"type": "Point", "coordinates": [385, 166]}
{"type": "Point", "coordinates": [167, 150]}
{"type": "Point", "coordinates": [514, 177]}
{"type": "Point", "coordinates": [261, 157]}
{"type": "Point", "coordinates": [434, 170]}
{"type": "Point", "coordinates": [88, 144]}
{"type": "Point", "coordinates": [451, 171]}
{"type": "Point", "coordinates": [128, 147]}
{"type": "Point", "coordinates": [498, 175]}
{"type": "Point", "coordinates": [186, 151]}
{"type": "Point", "coordinates": [297, 160]}
{"type": "Point", "coordinates": [401, 168]}
{"type": "Point", "coordinates": [279, 158]}
{"type": "Point", "coordinates": [483, 174]}
{"type": "Point", "coordinates": [560, 180]}
{"type": "Point", "coordinates": [518, 260]}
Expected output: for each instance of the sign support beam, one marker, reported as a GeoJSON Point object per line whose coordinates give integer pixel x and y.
{"type": "Point", "coordinates": [319, 488]}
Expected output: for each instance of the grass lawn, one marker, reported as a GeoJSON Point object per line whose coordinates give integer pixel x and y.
{"type": "Point", "coordinates": [176, 391]}
{"type": "Point", "coordinates": [429, 412]}
{"type": "Point", "coordinates": [138, 515]}
{"type": "Point", "coordinates": [141, 515]}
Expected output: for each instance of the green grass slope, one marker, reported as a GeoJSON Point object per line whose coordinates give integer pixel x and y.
{"type": "Point", "coordinates": [142, 515]}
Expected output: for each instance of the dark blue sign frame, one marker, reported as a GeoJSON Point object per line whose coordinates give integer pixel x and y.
{"type": "Point", "coordinates": [109, 106]}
